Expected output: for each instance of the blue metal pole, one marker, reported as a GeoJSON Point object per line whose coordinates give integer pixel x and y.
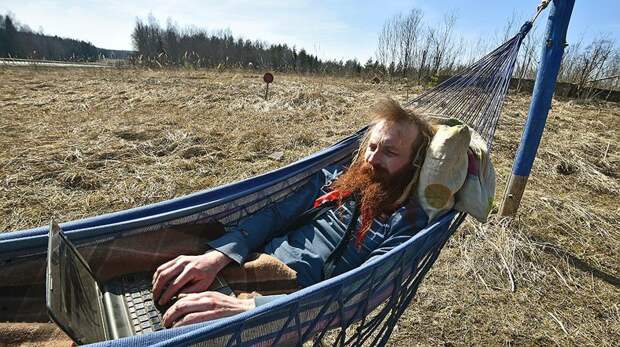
{"type": "Point", "coordinates": [550, 59]}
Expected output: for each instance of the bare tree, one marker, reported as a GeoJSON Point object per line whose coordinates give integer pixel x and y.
{"type": "Point", "coordinates": [612, 81]}
{"type": "Point", "coordinates": [510, 27]}
{"type": "Point", "coordinates": [398, 41]}
{"type": "Point", "coordinates": [594, 64]}
{"type": "Point", "coordinates": [570, 61]}
{"type": "Point", "coordinates": [385, 41]}
{"type": "Point", "coordinates": [443, 50]}
{"type": "Point", "coordinates": [409, 30]}
{"type": "Point", "coordinates": [423, 61]}
{"type": "Point", "coordinates": [388, 48]}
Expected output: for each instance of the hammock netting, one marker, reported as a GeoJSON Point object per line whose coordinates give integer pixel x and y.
{"type": "Point", "coordinates": [364, 303]}
{"type": "Point", "coordinates": [476, 95]}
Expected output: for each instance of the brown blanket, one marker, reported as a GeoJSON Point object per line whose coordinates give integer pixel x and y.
{"type": "Point", "coordinates": [33, 334]}
{"type": "Point", "coordinates": [262, 274]}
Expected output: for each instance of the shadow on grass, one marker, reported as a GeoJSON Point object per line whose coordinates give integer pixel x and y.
{"type": "Point", "coordinates": [554, 250]}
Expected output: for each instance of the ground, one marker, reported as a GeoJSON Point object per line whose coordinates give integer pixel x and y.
{"type": "Point", "coordinates": [77, 143]}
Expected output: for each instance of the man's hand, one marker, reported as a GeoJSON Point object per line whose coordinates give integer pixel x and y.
{"type": "Point", "coordinates": [187, 274]}
{"type": "Point", "coordinates": [199, 307]}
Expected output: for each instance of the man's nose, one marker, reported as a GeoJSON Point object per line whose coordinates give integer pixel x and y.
{"type": "Point", "coordinates": [373, 158]}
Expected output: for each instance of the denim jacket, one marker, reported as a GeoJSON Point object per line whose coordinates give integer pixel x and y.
{"type": "Point", "coordinates": [306, 248]}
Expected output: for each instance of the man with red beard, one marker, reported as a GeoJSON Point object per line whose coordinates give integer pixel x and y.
{"type": "Point", "coordinates": [357, 215]}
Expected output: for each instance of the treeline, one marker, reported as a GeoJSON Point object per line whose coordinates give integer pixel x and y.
{"type": "Point", "coordinates": [158, 46]}
{"type": "Point", "coordinates": [19, 41]}
{"type": "Point", "coordinates": [409, 47]}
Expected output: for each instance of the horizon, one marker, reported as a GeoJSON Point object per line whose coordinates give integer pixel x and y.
{"type": "Point", "coordinates": [334, 34]}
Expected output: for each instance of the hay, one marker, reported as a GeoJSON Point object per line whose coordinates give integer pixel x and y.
{"type": "Point", "coordinates": [78, 143]}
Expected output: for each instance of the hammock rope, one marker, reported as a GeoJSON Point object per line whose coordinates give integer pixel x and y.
{"type": "Point", "coordinates": [477, 94]}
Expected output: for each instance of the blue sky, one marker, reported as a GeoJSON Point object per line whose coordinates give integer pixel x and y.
{"type": "Point", "coordinates": [338, 29]}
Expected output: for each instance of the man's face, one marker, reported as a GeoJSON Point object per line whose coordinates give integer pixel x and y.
{"type": "Point", "coordinates": [389, 146]}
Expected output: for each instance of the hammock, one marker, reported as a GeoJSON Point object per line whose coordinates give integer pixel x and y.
{"type": "Point", "coordinates": [386, 285]}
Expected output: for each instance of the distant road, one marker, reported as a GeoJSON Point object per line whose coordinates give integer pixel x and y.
{"type": "Point", "coordinates": [33, 62]}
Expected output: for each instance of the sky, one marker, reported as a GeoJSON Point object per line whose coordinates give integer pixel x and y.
{"type": "Point", "coordinates": [337, 29]}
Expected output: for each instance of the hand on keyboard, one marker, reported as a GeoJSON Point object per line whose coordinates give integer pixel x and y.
{"type": "Point", "coordinates": [200, 307]}
{"type": "Point", "coordinates": [163, 308]}
{"type": "Point", "coordinates": [187, 274]}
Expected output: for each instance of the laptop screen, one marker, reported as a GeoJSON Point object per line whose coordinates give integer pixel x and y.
{"type": "Point", "coordinates": [73, 297]}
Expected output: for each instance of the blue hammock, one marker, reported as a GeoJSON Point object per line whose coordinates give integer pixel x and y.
{"type": "Point", "coordinates": [364, 303]}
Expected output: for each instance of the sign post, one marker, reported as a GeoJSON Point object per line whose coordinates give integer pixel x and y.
{"type": "Point", "coordinates": [267, 78]}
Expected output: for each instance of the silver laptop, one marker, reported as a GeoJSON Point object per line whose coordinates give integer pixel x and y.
{"type": "Point", "coordinates": [90, 312]}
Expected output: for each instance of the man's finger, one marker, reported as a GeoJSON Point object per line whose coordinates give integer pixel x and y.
{"type": "Point", "coordinates": [158, 272]}
{"type": "Point", "coordinates": [197, 317]}
{"type": "Point", "coordinates": [181, 280]}
{"type": "Point", "coordinates": [184, 307]}
{"type": "Point", "coordinates": [164, 277]}
{"type": "Point", "coordinates": [163, 267]}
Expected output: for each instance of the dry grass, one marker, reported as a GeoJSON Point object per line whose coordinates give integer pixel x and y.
{"type": "Point", "coordinates": [78, 143]}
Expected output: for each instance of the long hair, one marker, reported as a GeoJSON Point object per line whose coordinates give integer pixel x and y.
{"type": "Point", "coordinates": [391, 112]}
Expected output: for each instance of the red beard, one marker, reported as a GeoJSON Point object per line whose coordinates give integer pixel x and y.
{"type": "Point", "coordinates": [376, 188]}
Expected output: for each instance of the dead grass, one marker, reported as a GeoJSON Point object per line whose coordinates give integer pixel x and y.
{"type": "Point", "coordinates": [78, 143]}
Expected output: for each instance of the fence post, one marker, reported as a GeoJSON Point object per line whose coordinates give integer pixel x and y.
{"type": "Point", "coordinates": [550, 59]}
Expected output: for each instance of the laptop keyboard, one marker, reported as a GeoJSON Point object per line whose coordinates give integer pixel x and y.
{"type": "Point", "coordinates": [144, 315]}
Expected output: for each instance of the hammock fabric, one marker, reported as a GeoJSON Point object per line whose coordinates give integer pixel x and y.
{"type": "Point", "coordinates": [389, 282]}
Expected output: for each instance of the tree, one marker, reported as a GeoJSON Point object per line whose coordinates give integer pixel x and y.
{"type": "Point", "coordinates": [443, 52]}
{"type": "Point", "coordinates": [3, 38]}
{"type": "Point", "coordinates": [387, 42]}
{"type": "Point", "coordinates": [10, 37]}
{"type": "Point", "coordinates": [408, 35]}
{"type": "Point", "coordinates": [593, 64]}
{"type": "Point", "coordinates": [20, 42]}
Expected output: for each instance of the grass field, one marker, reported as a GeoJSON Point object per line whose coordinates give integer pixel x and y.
{"type": "Point", "coordinates": [77, 143]}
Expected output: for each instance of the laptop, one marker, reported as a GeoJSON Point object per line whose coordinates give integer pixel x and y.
{"type": "Point", "coordinates": [88, 311]}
